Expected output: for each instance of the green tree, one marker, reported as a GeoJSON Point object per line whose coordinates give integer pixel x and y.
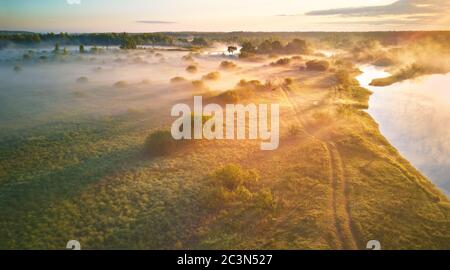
{"type": "Point", "coordinates": [265, 47]}
{"type": "Point", "coordinates": [247, 49]}
{"type": "Point", "coordinates": [276, 46]}
{"type": "Point", "coordinates": [296, 46]}
{"type": "Point", "coordinates": [56, 48]}
{"type": "Point", "coordinates": [232, 49]}
{"type": "Point", "coordinates": [128, 44]}
{"type": "Point", "coordinates": [199, 41]}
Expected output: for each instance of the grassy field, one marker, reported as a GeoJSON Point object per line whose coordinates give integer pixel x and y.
{"type": "Point", "coordinates": [334, 183]}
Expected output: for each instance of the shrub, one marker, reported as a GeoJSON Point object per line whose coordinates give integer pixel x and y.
{"type": "Point", "coordinates": [317, 65]}
{"type": "Point", "coordinates": [230, 96]}
{"type": "Point", "coordinates": [17, 68]}
{"type": "Point", "coordinates": [121, 84]}
{"type": "Point", "coordinates": [297, 46]}
{"type": "Point", "coordinates": [384, 62]}
{"type": "Point", "coordinates": [191, 69]}
{"type": "Point", "coordinates": [232, 176]}
{"type": "Point", "coordinates": [281, 62]}
{"type": "Point", "coordinates": [188, 58]}
{"type": "Point", "coordinates": [288, 81]}
{"type": "Point", "coordinates": [212, 76]}
{"type": "Point", "coordinates": [178, 80]}
{"type": "Point", "coordinates": [294, 130]}
{"type": "Point", "coordinates": [200, 41]}
{"type": "Point", "coordinates": [199, 85]}
{"type": "Point", "coordinates": [227, 65]}
{"type": "Point", "coordinates": [160, 143]}
{"type": "Point", "coordinates": [82, 79]}
{"type": "Point", "coordinates": [26, 56]}
{"type": "Point", "coordinates": [251, 85]}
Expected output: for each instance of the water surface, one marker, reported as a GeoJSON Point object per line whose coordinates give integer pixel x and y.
{"type": "Point", "coordinates": [414, 116]}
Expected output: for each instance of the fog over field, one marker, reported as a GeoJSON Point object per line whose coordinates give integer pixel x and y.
{"type": "Point", "coordinates": [112, 82]}
{"type": "Point", "coordinates": [87, 152]}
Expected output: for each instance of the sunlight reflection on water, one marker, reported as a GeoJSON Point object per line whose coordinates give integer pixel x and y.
{"type": "Point", "coordinates": [414, 116]}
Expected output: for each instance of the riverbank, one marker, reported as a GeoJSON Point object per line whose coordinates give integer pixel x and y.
{"type": "Point", "coordinates": [411, 116]}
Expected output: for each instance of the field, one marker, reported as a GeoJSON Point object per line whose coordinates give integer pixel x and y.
{"type": "Point", "coordinates": [74, 162]}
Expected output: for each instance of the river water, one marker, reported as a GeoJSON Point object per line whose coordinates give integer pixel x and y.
{"type": "Point", "coordinates": [414, 115]}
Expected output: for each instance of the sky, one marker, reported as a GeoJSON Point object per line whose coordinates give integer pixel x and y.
{"type": "Point", "coordinates": [223, 15]}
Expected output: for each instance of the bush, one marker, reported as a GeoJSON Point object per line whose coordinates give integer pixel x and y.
{"type": "Point", "coordinates": [17, 68]}
{"type": "Point", "coordinates": [199, 85]}
{"type": "Point", "coordinates": [281, 62]}
{"type": "Point", "coordinates": [232, 176]}
{"type": "Point", "coordinates": [191, 69]}
{"type": "Point", "coordinates": [288, 81]}
{"type": "Point", "coordinates": [212, 76]}
{"type": "Point", "coordinates": [178, 80]}
{"type": "Point", "coordinates": [199, 41]}
{"type": "Point", "coordinates": [27, 56]}
{"type": "Point", "coordinates": [384, 62]}
{"type": "Point", "coordinates": [121, 84]}
{"type": "Point", "coordinates": [188, 58]}
{"type": "Point", "coordinates": [297, 46]}
{"type": "Point", "coordinates": [317, 65]}
{"type": "Point", "coordinates": [227, 65]}
{"type": "Point", "coordinates": [82, 80]}
{"type": "Point", "coordinates": [230, 96]}
{"type": "Point", "coordinates": [294, 130]}
{"type": "Point", "coordinates": [160, 143]}
{"type": "Point", "coordinates": [251, 85]}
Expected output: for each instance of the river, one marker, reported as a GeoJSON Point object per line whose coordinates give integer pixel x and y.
{"type": "Point", "coordinates": [414, 115]}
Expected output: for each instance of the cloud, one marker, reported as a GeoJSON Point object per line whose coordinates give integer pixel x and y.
{"type": "Point", "coordinates": [155, 22]}
{"type": "Point", "coordinates": [400, 7]}
{"type": "Point", "coordinates": [287, 15]}
{"type": "Point", "coordinates": [407, 13]}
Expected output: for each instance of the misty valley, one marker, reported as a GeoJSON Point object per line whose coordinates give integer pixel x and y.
{"type": "Point", "coordinates": [115, 140]}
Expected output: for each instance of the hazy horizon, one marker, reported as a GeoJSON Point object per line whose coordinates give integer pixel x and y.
{"type": "Point", "coordinates": [77, 16]}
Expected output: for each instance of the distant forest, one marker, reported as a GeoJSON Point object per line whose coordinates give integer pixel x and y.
{"type": "Point", "coordinates": [201, 39]}
{"type": "Point", "coordinates": [101, 39]}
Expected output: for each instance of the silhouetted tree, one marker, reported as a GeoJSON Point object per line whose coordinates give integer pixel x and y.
{"type": "Point", "coordinates": [232, 49]}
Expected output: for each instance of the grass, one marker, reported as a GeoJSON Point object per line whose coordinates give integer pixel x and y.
{"type": "Point", "coordinates": [93, 181]}
{"type": "Point", "coordinates": [409, 72]}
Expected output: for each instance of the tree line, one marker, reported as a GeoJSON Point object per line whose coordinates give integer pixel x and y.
{"type": "Point", "coordinates": [101, 39]}
{"type": "Point", "coordinates": [296, 46]}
